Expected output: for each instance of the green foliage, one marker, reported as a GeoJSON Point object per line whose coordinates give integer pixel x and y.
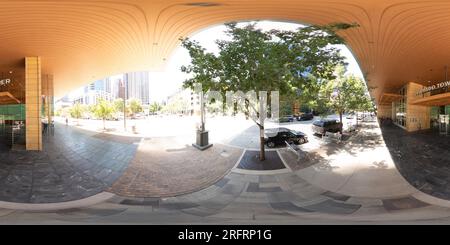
{"type": "Point", "coordinates": [214, 106]}
{"type": "Point", "coordinates": [345, 94]}
{"type": "Point", "coordinates": [176, 106]}
{"type": "Point", "coordinates": [155, 107]}
{"type": "Point", "coordinates": [286, 108]}
{"type": "Point", "coordinates": [135, 106]}
{"type": "Point", "coordinates": [77, 111]}
{"type": "Point", "coordinates": [103, 110]}
{"type": "Point", "coordinates": [284, 61]}
{"type": "Point", "coordinates": [118, 104]}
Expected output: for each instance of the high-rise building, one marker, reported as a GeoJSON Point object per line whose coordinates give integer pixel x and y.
{"type": "Point", "coordinates": [108, 85]}
{"type": "Point", "coordinates": [95, 91]}
{"type": "Point", "coordinates": [130, 85]}
{"type": "Point", "coordinates": [137, 86]}
{"type": "Point", "coordinates": [121, 88]}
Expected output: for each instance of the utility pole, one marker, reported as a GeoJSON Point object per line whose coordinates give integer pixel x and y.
{"type": "Point", "coordinates": [202, 142]}
{"type": "Point", "coordinates": [124, 106]}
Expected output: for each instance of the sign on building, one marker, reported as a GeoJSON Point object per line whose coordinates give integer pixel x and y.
{"type": "Point", "coordinates": [5, 82]}
{"type": "Point", "coordinates": [433, 87]}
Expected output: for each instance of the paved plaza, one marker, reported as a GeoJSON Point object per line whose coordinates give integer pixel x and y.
{"type": "Point", "coordinates": [91, 177]}
{"type": "Point", "coordinates": [167, 167]}
{"type": "Point", "coordinates": [74, 164]}
{"type": "Point", "coordinates": [423, 158]}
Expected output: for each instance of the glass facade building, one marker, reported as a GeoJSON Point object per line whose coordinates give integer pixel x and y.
{"type": "Point", "coordinates": [400, 108]}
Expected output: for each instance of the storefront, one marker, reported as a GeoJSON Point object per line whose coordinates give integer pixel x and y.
{"type": "Point", "coordinates": [416, 107]}
{"type": "Point", "coordinates": [12, 113]}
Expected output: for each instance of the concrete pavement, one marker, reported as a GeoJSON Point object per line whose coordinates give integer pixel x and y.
{"type": "Point", "coordinates": [355, 181]}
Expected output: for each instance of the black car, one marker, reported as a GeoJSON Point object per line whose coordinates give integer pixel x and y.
{"type": "Point", "coordinates": [327, 125]}
{"type": "Point", "coordinates": [305, 117]}
{"type": "Point", "coordinates": [286, 119]}
{"type": "Point", "coordinates": [279, 136]}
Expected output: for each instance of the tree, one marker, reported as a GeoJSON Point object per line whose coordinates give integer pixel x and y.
{"type": "Point", "coordinates": [265, 61]}
{"type": "Point", "coordinates": [345, 93]}
{"type": "Point", "coordinates": [155, 107]}
{"type": "Point", "coordinates": [286, 108]}
{"type": "Point", "coordinates": [135, 106]}
{"type": "Point", "coordinates": [118, 104]}
{"type": "Point", "coordinates": [77, 111]}
{"type": "Point", "coordinates": [104, 110]}
{"type": "Point", "coordinates": [214, 107]}
{"type": "Point", "coordinates": [177, 105]}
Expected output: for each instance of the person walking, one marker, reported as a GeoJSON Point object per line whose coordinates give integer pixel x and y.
{"type": "Point", "coordinates": [67, 121]}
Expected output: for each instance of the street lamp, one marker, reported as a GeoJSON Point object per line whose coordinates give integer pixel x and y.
{"type": "Point", "coordinates": [202, 141]}
{"type": "Point", "coordinates": [124, 106]}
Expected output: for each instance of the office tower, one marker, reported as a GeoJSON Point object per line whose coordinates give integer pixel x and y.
{"type": "Point", "coordinates": [137, 86]}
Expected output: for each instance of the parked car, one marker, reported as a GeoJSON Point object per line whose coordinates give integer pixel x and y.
{"type": "Point", "coordinates": [286, 119]}
{"type": "Point", "coordinates": [327, 125]}
{"type": "Point", "coordinates": [279, 136]}
{"type": "Point", "coordinates": [305, 117]}
{"type": "Point", "coordinates": [350, 116]}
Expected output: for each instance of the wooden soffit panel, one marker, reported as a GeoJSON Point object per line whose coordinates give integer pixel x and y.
{"type": "Point", "coordinates": [435, 100]}
{"type": "Point", "coordinates": [81, 41]}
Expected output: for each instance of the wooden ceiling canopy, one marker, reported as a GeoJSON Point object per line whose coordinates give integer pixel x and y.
{"type": "Point", "coordinates": [7, 98]}
{"type": "Point", "coordinates": [388, 98]}
{"type": "Point", "coordinates": [435, 100]}
{"type": "Point", "coordinates": [84, 40]}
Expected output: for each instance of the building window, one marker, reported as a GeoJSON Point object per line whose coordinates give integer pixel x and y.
{"type": "Point", "coordinates": [400, 108]}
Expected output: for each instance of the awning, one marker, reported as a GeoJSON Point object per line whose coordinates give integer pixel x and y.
{"type": "Point", "coordinates": [7, 98]}
{"type": "Point", "coordinates": [435, 100]}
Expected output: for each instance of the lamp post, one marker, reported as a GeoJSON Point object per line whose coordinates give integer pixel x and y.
{"type": "Point", "coordinates": [202, 142]}
{"type": "Point", "coordinates": [124, 106]}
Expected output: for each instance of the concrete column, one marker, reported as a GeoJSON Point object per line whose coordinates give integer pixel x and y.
{"type": "Point", "coordinates": [385, 111]}
{"type": "Point", "coordinates": [33, 103]}
{"type": "Point", "coordinates": [47, 92]}
{"type": "Point", "coordinates": [418, 116]}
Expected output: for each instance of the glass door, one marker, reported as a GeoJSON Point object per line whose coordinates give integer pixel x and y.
{"type": "Point", "coordinates": [444, 124]}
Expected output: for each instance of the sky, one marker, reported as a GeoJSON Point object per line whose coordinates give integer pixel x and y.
{"type": "Point", "coordinates": [164, 84]}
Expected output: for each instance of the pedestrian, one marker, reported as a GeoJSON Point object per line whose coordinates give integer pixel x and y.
{"type": "Point", "coordinates": [67, 121]}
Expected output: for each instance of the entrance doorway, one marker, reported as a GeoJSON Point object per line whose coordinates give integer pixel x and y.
{"type": "Point", "coordinates": [444, 124]}
{"type": "Point", "coordinates": [12, 125]}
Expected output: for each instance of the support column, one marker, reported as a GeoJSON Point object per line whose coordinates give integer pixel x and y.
{"type": "Point", "coordinates": [418, 116]}
{"type": "Point", "coordinates": [47, 91]}
{"type": "Point", "coordinates": [33, 103]}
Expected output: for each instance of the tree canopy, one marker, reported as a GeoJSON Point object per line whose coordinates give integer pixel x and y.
{"type": "Point", "coordinates": [257, 60]}
{"type": "Point", "coordinates": [135, 106]}
{"type": "Point", "coordinates": [77, 111]}
{"type": "Point", "coordinates": [104, 109]}
{"type": "Point", "coordinates": [345, 93]}
{"type": "Point", "coordinates": [155, 107]}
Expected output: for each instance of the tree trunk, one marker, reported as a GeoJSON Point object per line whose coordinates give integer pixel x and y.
{"type": "Point", "coordinates": [262, 152]}
{"type": "Point", "coordinates": [262, 116]}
